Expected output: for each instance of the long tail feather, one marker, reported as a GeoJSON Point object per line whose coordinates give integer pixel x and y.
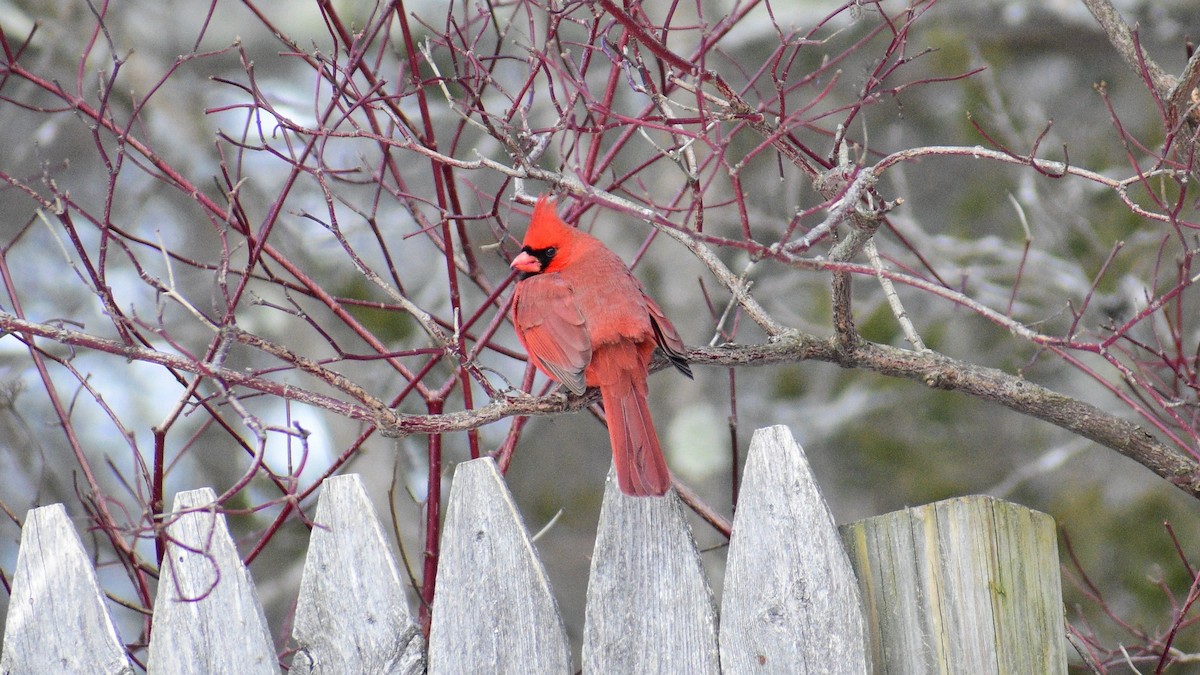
{"type": "Point", "coordinates": [641, 469]}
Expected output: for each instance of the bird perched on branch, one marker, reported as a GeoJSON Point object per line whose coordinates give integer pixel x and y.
{"type": "Point", "coordinates": [585, 321]}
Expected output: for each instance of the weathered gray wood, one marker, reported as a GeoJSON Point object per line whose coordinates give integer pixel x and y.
{"type": "Point", "coordinates": [791, 602]}
{"type": "Point", "coordinates": [966, 585]}
{"type": "Point", "coordinates": [57, 621]}
{"type": "Point", "coordinates": [207, 617]}
{"type": "Point", "coordinates": [969, 585]}
{"type": "Point", "coordinates": [493, 611]}
{"type": "Point", "coordinates": [352, 615]}
{"type": "Point", "coordinates": [649, 607]}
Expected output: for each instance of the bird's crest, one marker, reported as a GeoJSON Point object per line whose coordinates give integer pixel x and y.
{"type": "Point", "coordinates": [546, 229]}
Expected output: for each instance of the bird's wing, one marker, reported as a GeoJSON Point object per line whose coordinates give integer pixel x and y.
{"type": "Point", "coordinates": [667, 337]}
{"type": "Point", "coordinates": [550, 325]}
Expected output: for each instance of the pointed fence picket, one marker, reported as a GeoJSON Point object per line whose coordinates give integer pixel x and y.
{"type": "Point", "coordinates": [352, 614]}
{"type": "Point", "coordinates": [649, 607]}
{"type": "Point", "coordinates": [493, 610]}
{"type": "Point", "coordinates": [57, 621]}
{"type": "Point", "coordinates": [791, 602]}
{"type": "Point", "coordinates": [964, 585]}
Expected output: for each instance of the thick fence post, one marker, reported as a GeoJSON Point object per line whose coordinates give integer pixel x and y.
{"type": "Point", "coordinates": [57, 621]}
{"type": "Point", "coordinates": [352, 614]}
{"type": "Point", "coordinates": [966, 585]}
{"type": "Point", "coordinates": [649, 607]}
{"type": "Point", "coordinates": [791, 602]}
{"type": "Point", "coordinates": [493, 611]}
{"type": "Point", "coordinates": [207, 617]}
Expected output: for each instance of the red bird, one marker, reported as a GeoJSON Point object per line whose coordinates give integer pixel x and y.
{"type": "Point", "coordinates": [586, 322]}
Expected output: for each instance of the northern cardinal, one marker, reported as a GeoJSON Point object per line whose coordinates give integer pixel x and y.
{"type": "Point", "coordinates": [586, 322]}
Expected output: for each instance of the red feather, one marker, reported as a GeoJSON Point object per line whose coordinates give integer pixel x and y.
{"type": "Point", "coordinates": [585, 320]}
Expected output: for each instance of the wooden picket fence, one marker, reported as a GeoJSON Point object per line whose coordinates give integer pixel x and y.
{"type": "Point", "coordinates": [968, 585]}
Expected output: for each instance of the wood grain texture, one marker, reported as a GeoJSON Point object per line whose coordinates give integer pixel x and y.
{"type": "Point", "coordinates": [57, 621]}
{"type": "Point", "coordinates": [352, 614]}
{"type": "Point", "coordinates": [649, 607]}
{"type": "Point", "coordinates": [791, 602]}
{"type": "Point", "coordinates": [493, 611]}
{"type": "Point", "coordinates": [207, 617]}
{"type": "Point", "coordinates": [966, 585]}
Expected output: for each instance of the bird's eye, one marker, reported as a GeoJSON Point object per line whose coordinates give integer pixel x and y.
{"type": "Point", "coordinates": [551, 251]}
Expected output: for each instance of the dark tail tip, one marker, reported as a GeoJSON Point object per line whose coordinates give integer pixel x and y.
{"type": "Point", "coordinates": [681, 364]}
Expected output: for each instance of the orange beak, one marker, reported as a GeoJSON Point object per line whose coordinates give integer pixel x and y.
{"type": "Point", "coordinates": [526, 263]}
